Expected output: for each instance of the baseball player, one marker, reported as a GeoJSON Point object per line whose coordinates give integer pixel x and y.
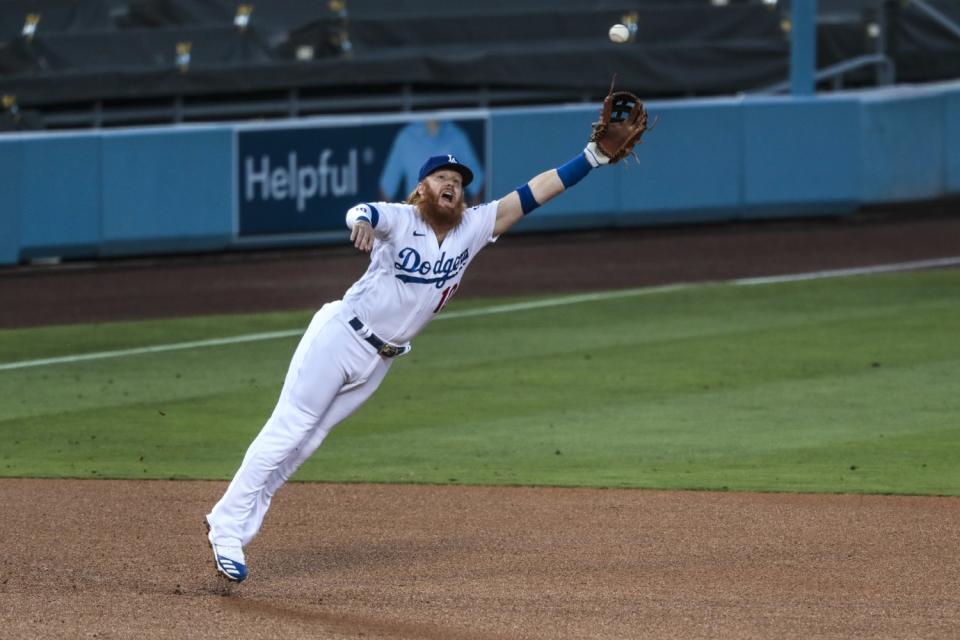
{"type": "Point", "coordinates": [420, 250]}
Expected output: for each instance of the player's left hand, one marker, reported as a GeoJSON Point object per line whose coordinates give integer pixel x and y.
{"type": "Point", "coordinates": [362, 235]}
{"type": "Point", "coordinates": [623, 120]}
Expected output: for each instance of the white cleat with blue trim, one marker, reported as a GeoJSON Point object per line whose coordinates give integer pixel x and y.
{"type": "Point", "coordinates": [230, 562]}
{"type": "Point", "coordinates": [228, 558]}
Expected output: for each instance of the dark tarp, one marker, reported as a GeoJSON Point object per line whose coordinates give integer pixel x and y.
{"type": "Point", "coordinates": [680, 50]}
{"type": "Point", "coordinates": [649, 70]}
{"type": "Point", "coordinates": [126, 49]}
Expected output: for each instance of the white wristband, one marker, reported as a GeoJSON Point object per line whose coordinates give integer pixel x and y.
{"type": "Point", "coordinates": [357, 212]}
{"type": "Point", "coordinates": [595, 156]}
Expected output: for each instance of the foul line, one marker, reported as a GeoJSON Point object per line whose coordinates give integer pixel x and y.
{"type": "Point", "coordinates": [853, 271]}
{"type": "Point", "coordinates": [503, 308]}
{"type": "Point", "coordinates": [213, 342]}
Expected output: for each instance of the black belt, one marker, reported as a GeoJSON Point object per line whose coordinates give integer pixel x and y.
{"type": "Point", "coordinates": [385, 349]}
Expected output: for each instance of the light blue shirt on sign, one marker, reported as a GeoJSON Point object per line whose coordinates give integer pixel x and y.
{"type": "Point", "coordinates": [414, 144]}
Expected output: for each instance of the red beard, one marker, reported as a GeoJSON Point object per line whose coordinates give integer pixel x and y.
{"type": "Point", "coordinates": [440, 214]}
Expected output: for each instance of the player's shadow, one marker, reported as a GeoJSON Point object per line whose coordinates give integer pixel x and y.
{"type": "Point", "coordinates": [349, 625]}
{"type": "Point", "coordinates": [291, 561]}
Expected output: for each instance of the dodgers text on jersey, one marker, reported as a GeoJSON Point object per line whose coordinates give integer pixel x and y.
{"type": "Point", "coordinates": [442, 269]}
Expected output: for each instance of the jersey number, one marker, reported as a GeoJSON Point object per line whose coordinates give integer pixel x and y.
{"type": "Point", "coordinates": [447, 294]}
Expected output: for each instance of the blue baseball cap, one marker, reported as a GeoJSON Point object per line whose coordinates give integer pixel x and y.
{"type": "Point", "coordinates": [435, 163]}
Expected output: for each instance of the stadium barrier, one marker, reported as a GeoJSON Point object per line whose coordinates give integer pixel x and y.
{"type": "Point", "coordinates": [215, 187]}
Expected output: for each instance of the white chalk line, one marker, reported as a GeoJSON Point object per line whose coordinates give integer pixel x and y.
{"type": "Point", "coordinates": [503, 308]}
{"type": "Point", "coordinates": [177, 346]}
{"type": "Point", "coordinates": [914, 265]}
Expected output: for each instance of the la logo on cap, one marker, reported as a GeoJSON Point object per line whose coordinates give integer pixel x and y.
{"type": "Point", "coordinates": [436, 163]}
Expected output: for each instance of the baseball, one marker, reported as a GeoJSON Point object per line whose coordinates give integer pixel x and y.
{"type": "Point", "coordinates": [619, 33]}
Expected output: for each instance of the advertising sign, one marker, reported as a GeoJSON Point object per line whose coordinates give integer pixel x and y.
{"type": "Point", "coordinates": [302, 180]}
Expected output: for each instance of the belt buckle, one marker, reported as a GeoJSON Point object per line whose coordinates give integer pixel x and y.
{"type": "Point", "coordinates": [389, 350]}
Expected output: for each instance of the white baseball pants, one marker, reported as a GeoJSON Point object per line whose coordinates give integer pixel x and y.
{"type": "Point", "coordinates": [332, 373]}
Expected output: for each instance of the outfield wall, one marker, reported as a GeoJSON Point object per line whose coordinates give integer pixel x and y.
{"type": "Point", "coordinates": [214, 187]}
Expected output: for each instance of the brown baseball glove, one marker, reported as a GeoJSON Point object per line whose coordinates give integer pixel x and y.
{"type": "Point", "coordinates": [623, 119]}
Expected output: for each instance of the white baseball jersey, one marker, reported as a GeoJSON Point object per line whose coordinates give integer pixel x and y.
{"type": "Point", "coordinates": [333, 371]}
{"type": "Point", "coordinates": [411, 277]}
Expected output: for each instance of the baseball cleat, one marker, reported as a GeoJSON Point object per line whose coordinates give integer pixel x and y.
{"type": "Point", "coordinates": [228, 559]}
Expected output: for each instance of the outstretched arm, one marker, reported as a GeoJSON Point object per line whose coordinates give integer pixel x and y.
{"type": "Point", "coordinates": [545, 187]}
{"type": "Point", "coordinates": [623, 119]}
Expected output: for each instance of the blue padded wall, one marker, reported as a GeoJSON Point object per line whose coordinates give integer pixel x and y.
{"type": "Point", "coordinates": [689, 167]}
{"type": "Point", "coordinates": [902, 152]}
{"type": "Point", "coordinates": [62, 192]}
{"type": "Point", "coordinates": [801, 155]}
{"type": "Point", "coordinates": [167, 190]}
{"type": "Point", "coordinates": [11, 187]}
{"type": "Point", "coordinates": [951, 142]}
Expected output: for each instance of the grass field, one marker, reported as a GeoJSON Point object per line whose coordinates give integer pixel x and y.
{"type": "Point", "coordinates": [840, 385]}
